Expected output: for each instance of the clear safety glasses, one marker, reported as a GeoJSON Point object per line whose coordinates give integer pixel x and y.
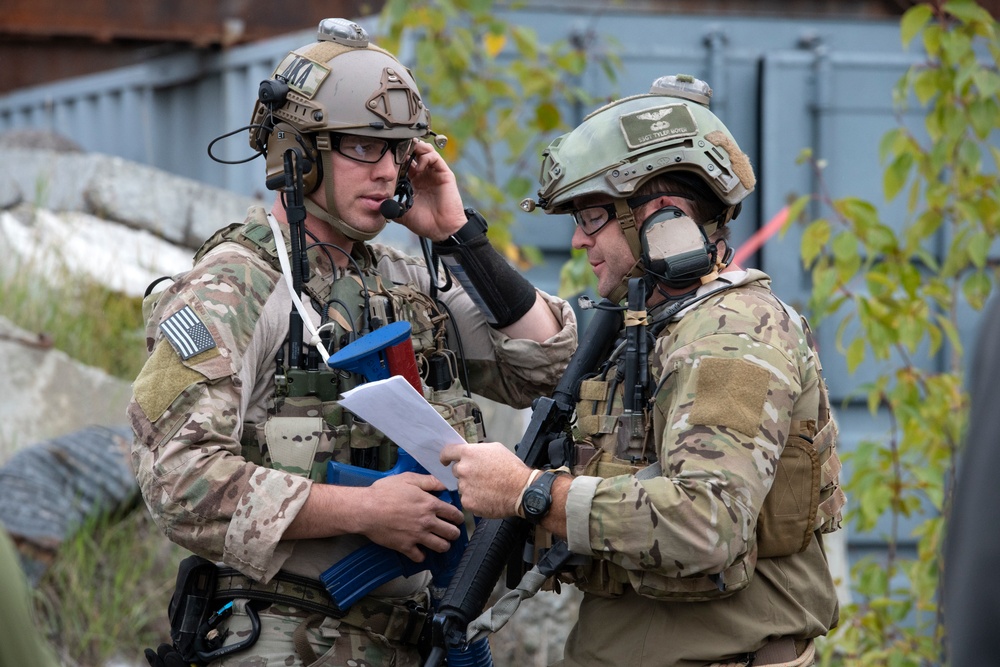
{"type": "Point", "coordinates": [592, 219]}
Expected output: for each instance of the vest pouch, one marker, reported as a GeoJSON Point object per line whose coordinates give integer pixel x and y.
{"type": "Point", "coordinates": [831, 497]}
{"type": "Point", "coordinates": [788, 517]}
{"type": "Point", "coordinates": [597, 577]}
{"type": "Point", "coordinates": [301, 445]}
{"type": "Point", "coordinates": [461, 413]}
{"type": "Point", "coordinates": [303, 442]}
{"type": "Point", "coordinates": [368, 448]}
{"type": "Point", "coordinates": [606, 465]}
{"type": "Point", "coordinates": [696, 588]}
{"type": "Point", "coordinates": [292, 443]}
{"type": "Point", "coordinates": [591, 408]}
{"type": "Point", "coordinates": [605, 579]}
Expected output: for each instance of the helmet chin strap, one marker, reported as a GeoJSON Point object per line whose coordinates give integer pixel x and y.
{"type": "Point", "coordinates": [331, 216]}
{"type": "Point", "coordinates": [620, 291]}
{"type": "Point", "coordinates": [626, 220]}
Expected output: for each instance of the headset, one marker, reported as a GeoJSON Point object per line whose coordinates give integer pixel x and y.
{"type": "Point", "coordinates": [675, 249]}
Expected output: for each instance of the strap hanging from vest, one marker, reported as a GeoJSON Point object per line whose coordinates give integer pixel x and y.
{"type": "Point", "coordinates": [279, 240]}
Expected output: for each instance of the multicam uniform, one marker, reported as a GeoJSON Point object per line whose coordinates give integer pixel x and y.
{"type": "Point", "coordinates": [737, 377]}
{"type": "Point", "coordinates": [202, 484]}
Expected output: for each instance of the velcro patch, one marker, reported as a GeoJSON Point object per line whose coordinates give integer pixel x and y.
{"type": "Point", "coordinates": [302, 75]}
{"type": "Point", "coordinates": [730, 393]}
{"type": "Point", "coordinates": [651, 126]}
{"type": "Point", "coordinates": [187, 333]}
{"type": "Point", "coordinates": [161, 381]}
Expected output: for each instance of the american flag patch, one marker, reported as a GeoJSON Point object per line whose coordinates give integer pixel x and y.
{"type": "Point", "coordinates": [187, 333]}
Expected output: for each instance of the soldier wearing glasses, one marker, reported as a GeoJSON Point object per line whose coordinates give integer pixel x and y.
{"type": "Point", "coordinates": [230, 451]}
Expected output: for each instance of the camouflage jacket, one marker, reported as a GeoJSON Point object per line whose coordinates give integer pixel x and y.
{"type": "Point", "coordinates": [732, 375]}
{"type": "Point", "coordinates": [188, 415]}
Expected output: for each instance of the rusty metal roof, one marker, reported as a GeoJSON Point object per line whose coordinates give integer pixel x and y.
{"type": "Point", "coordinates": [48, 40]}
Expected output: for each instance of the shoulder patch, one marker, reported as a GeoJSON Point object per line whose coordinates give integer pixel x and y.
{"type": "Point", "coordinates": [730, 393]}
{"type": "Point", "coordinates": [187, 333]}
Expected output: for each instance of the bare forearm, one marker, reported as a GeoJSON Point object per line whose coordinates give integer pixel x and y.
{"type": "Point", "coordinates": [538, 324]}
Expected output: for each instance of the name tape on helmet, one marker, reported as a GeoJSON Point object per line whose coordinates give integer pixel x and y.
{"type": "Point", "coordinates": [650, 126]}
{"type": "Point", "coordinates": [302, 75]}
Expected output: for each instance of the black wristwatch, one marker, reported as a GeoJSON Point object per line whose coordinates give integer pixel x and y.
{"type": "Point", "coordinates": [475, 225]}
{"type": "Point", "coordinates": [537, 498]}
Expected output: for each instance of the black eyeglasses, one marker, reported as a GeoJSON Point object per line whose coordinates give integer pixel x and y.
{"type": "Point", "coordinates": [592, 219]}
{"type": "Point", "coordinates": [371, 149]}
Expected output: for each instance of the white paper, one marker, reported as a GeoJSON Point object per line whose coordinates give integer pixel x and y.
{"type": "Point", "coordinates": [394, 407]}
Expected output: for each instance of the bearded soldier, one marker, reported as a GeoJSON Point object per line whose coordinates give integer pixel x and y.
{"type": "Point", "coordinates": [704, 473]}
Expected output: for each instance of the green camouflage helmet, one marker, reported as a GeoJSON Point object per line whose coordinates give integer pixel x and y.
{"type": "Point", "coordinates": [625, 143]}
{"type": "Point", "coordinates": [339, 84]}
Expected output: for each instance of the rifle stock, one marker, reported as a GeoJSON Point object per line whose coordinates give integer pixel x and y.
{"type": "Point", "coordinates": [495, 540]}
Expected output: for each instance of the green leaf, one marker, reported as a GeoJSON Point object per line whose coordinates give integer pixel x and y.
{"type": "Point", "coordinates": [896, 175]}
{"type": "Point", "coordinates": [967, 11]}
{"type": "Point", "coordinates": [951, 331]}
{"type": "Point", "coordinates": [861, 212]}
{"type": "Point", "coordinates": [984, 117]}
{"type": "Point", "coordinates": [519, 186]}
{"type": "Point", "coordinates": [910, 328]}
{"type": "Point", "coordinates": [910, 279]}
{"type": "Point", "coordinates": [526, 41]}
{"type": "Point", "coordinates": [987, 81]}
{"type": "Point", "coordinates": [913, 21]}
{"type": "Point", "coordinates": [547, 116]}
{"type": "Point", "coordinates": [576, 274]}
{"type": "Point", "coordinates": [976, 289]}
{"type": "Point", "coordinates": [794, 211]}
{"type": "Point", "coordinates": [932, 40]}
{"type": "Point", "coordinates": [926, 84]}
{"type": "Point", "coordinates": [814, 239]}
{"type": "Point", "coordinates": [855, 354]}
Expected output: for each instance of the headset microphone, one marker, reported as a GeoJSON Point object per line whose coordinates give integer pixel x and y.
{"type": "Point", "coordinates": [390, 209]}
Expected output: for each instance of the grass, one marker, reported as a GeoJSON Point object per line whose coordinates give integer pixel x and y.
{"type": "Point", "coordinates": [82, 318]}
{"type": "Point", "coordinates": [104, 598]}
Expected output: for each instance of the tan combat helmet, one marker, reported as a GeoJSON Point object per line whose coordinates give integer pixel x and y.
{"type": "Point", "coordinates": [342, 83]}
{"type": "Point", "coordinates": [622, 145]}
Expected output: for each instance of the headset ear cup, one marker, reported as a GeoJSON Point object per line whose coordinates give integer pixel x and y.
{"type": "Point", "coordinates": [312, 166]}
{"type": "Point", "coordinates": [282, 138]}
{"type": "Point", "coordinates": [675, 248]}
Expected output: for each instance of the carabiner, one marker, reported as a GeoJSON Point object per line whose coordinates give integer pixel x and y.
{"type": "Point", "coordinates": [209, 656]}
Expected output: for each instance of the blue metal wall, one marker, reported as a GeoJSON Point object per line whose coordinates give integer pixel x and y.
{"type": "Point", "coordinates": [780, 86]}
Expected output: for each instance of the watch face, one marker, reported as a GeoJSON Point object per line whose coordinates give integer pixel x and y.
{"type": "Point", "coordinates": [535, 502]}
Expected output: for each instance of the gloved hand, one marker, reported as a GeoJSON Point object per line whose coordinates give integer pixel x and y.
{"type": "Point", "coordinates": [165, 656]}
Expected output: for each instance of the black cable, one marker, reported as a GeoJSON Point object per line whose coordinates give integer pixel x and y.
{"type": "Point", "coordinates": [345, 308]}
{"type": "Point", "coordinates": [229, 134]}
{"type": "Point", "coordinates": [326, 252]}
{"type": "Point", "coordinates": [425, 248]}
{"type": "Point", "coordinates": [433, 264]}
{"type": "Point", "coordinates": [661, 320]}
{"type": "Point", "coordinates": [357, 267]}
